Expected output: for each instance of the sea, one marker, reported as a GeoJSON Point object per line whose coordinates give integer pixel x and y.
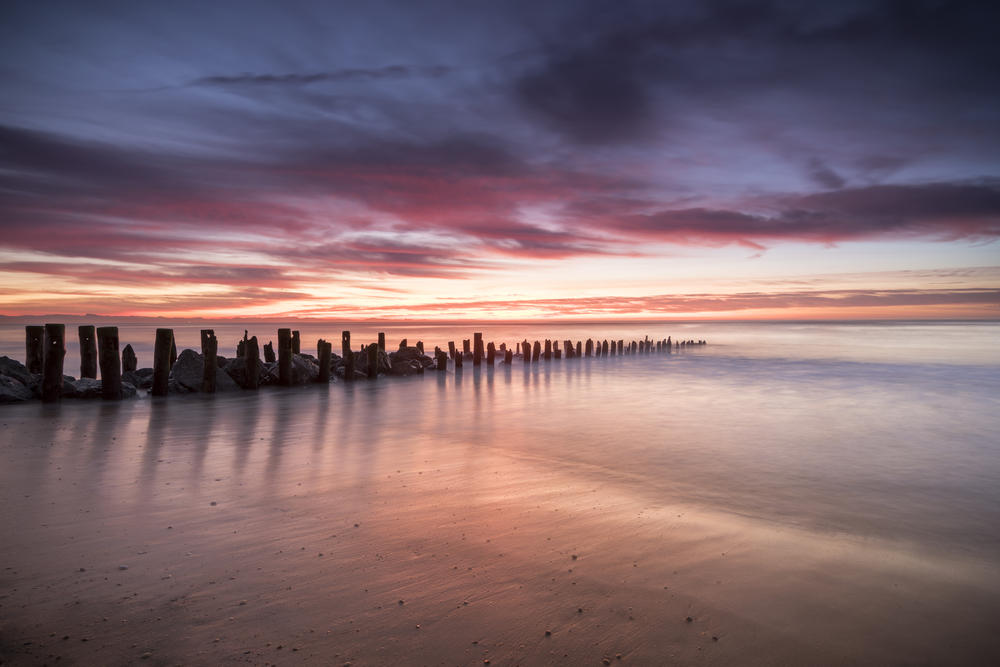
{"type": "Point", "coordinates": [888, 430]}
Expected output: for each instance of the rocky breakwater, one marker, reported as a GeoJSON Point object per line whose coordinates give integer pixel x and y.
{"type": "Point", "coordinates": [18, 384]}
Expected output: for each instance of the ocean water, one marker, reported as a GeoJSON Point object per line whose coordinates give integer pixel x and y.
{"type": "Point", "coordinates": [874, 430]}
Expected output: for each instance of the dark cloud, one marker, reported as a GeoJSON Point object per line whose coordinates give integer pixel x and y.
{"type": "Point", "coordinates": [335, 76]}
{"type": "Point", "coordinates": [824, 176]}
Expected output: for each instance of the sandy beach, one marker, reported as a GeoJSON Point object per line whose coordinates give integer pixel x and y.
{"type": "Point", "coordinates": [282, 528]}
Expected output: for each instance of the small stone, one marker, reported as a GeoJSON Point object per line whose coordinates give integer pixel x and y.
{"type": "Point", "coordinates": [688, 619]}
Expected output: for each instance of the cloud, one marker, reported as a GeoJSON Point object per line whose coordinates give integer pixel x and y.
{"type": "Point", "coordinates": [336, 76]}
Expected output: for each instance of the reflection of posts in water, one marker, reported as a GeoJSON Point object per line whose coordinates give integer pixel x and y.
{"type": "Point", "coordinates": [210, 352]}
{"type": "Point", "coordinates": [88, 351]}
{"type": "Point", "coordinates": [285, 357]}
{"type": "Point", "coordinates": [34, 337]}
{"type": "Point", "coordinates": [52, 362]}
{"type": "Point", "coordinates": [161, 361]}
{"type": "Point", "coordinates": [111, 370]}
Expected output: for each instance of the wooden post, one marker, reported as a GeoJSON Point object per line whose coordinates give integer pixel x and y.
{"type": "Point", "coordinates": [373, 361]}
{"type": "Point", "coordinates": [442, 361]}
{"type": "Point", "coordinates": [129, 360]}
{"type": "Point", "coordinates": [210, 353]}
{"type": "Point", "coordinates": [508, 356]}
{"type": "Point", "coordinates": [491, 353]}
{"type": "Point", "coordinates": [669, 344]}
{"type": "Point", "coordinates": [88, 351]}
{"type": "Point", "coordinates": [285, 357]}
{"type": "Point", "coordinates": [269, 353]}
{"type": "Point", "coordinates": [526, 352]}
{"type": "Point", "coordinates": [52, 362]}
{"type": "Point", "coordinates": [604, 349]}
{"type": "Point", "coordinates": [34, 346]}
{"type": "Point", "coordinates": [420, 346]}
{"type": "Point", "coordinates": [620, 343]}
{"type": "Point", "coordinates": [451, 349]}
{"type": "Point", "coordinates": [161, 361]}
{"type": "Point", "coordinates": [296, 343]}
{"type": "Point", "coordinates": [111, 370]}
{"type": "Point", "coordinates": [381, 341]}
{"type": "Point", "coordinates": [458, 361]}
{"type": "Point", "coordinates": [173, 349]}
{"type": "Point", "coordinates": [579, 348]}
{"type": "Point", "coordinates": [536, 352]}
{"type": "Point", "coordinates": [253, 363]}
{"type": "Point", "coordinates": [568, 346]}
{"type": "Point", "coordinates": [324, 351]}
{"type": "Point", "coordinates": [477, 349]}
{"type": "Point", "coordinates": [241, 348]}
{"type": "Point", "coordinates": [345, 348]}
{"type": "Point", "coordinates": [547, 355]}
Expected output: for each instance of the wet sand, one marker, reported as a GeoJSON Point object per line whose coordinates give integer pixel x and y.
{"type": "Point", "coordinates": [247, 530]}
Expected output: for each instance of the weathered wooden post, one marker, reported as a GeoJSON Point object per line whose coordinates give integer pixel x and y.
{"type": "Point", "coordinates": [111, 370]}
{"type": "Point", "coordinates": [568, 346]}
{"type": "Point", "coordinates": [579, 348]}
{"type": "Point", "coordinates": [620, 343]}
{"type": "Point", "coordinates": [508, 356]}
{"type": "Point", "coordinates": [161, 361]}
{"type": "Point", "coordinates": [604, 349]}
{"type": "Point", "coordinates": [345, 350]}
{"type": "Point", "coordinates": [466, 346]}
{"type": "Point", "coordinates": [324, 351]}
{"type": "Point", "coordinates": [536, 352]}
{"type": "Point", "coordinates": [88, 351]}
{"type": "Point", "coordinates": [173, 349]}
{"type": "Point", "coordinates": [451, 349]}
{"type": "Point", "coordinates": [241, 348]}
{"type": "Point", "coordinates": [547, 354]}
{"type": "Point", "coordinates": [381, 341]}
{"type": "Point", "coordinates": [373, 361]}
{"type": "Point", "coordinates": [269, 353]}
{"type": "Point", "coordinates": [129, 360]}
{"type": "Point", "coordinates": [477, 349]}
{"type": "Point", "coordinates": [491, 353]}
{"type": "Point", "coordinates": [420, 346]}
{"type": "Point", "coordinates": [253, 363]}
{"type": "Point", "coordinates": [34, 345]}
{"type": "Point", "coordinates": [210, 353]}
{"type": "Point", "coordinates": [526, 351]}
{"type": "Point", "coordinates": [442, 360]}
{"type": "Point", "coordinates": [52, 362]}
{"type": "Point", "coordinates": [285, 357]}
{"type": "Point", "coordinates": [458, 360]}
{"type": "Point", "coordinates": [296, 343]}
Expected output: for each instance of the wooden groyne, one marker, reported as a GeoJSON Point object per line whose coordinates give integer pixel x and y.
{"type": "Point", "coordinates": [208, 372]}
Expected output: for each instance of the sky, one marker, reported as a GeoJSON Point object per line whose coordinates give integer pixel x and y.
{"type": "Point", "coordinates": [500, 160]}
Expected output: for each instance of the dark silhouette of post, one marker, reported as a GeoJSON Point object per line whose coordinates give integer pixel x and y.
{"type": "Point", "coordinates": [285, 357]}
{"type": "Point", "coordinates": [381, 341]}
{"type": "Point", "coordinates": [129, 360]}
{"type": "Point", "coordinates": [536, 352]}
{"type": "Point", "coordinates": [451, 349]}
{"type": "Point", "coordinates": [253, 363]}
{"type": "Point", "coordinates": [508, 356]}
{"type": "Point", "coordinates": [459, 358]}
{"type": "Point", "coordinates": [491, 354]}
{"type": "Point", "coordinates": [52, 362]}
{"type": "Point", "coordinates": [269, 353]}
{"type": "Point", "coordinates": [111, 370]}
{"type": "Point", "coordinates": [548, 349]}
{"type": "Point", "coordinates": [210, 352]}
{"type": "Point", "coordinates": [296, 343]}
{"type": "Point", "coordinates": [526, 352]}
{"type": "Point", "coordinates": [620, 343]}
{"type": "Point", "coordinates": [161, 361]}
{"type": "Point", "coordinates": [579, 348]}
{"type": "Point", "coordinates": [34, 346]}
{"type": "Point", "coordinates": [604, 349]}
{"type": "Point", "coordinates": [420, 346]}
{"type": "Point", "coordinates": [477, 349]}
{"type": "Point", "coordinates": [345, 349]}
{"type": "Point", "coordinates": [88, 351]}
{"type": "Point", "coordinates": [466, 347]}
{"type": "Point", "coordinates": [442, 360]}
{"type": "Point", "coordinates": [173, 349]}
{"type": "Point", "coordinates": [373, 361]}
{"type": "Point", "coordinates": [568, 346]}
{"type": "Point", "coordinates": [324, 351]}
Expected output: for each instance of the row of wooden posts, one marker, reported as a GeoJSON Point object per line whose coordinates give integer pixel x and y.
{"type": "Point", "coordinates": [45, 350]}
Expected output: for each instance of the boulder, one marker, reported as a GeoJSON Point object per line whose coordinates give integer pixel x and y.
{"type": "Point", "coordinates": [236, 369]}
{"type": "Point", "coordinates": [15, 369]}
{"type": "Point", "coordinates": [361, 362]}
{"type": "Point", "coordinates": [84, 388]}
{"type": "Point", "coordinates": [409, 360]}
{"type": "Point", "coordinates": [187, 371]}
{"type": "Point", "coordinates": [141, 379]}
{"type": "Point", "coordinates": [304, 369]}
{"type": "Point", "coordinates": [13, 391]}
{"type": "Point", "coordinates": [129, 360]}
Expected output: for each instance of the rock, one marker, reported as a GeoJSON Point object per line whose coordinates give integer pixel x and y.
{"type": "Point", "coordinates": [15, 369]}
{"type": "Point", "coordinates": [13, 391]}
{"type": "Point", "coordinates": [187, 371]}
{"type": "Point", "coordinates": [408, 361]}
{"type": "Point", "coordinates": [142, 378]}
{"type": "Point", "coordinates": [236, 369]}
{"type": "Point", "coordinates": [304, 369]}
{"type": "Point", "coordinates": [361, 362]}
{"type": "Point", "coordinates": [85, 388]}
{"type": "Point", "coordinates": [129, 390]}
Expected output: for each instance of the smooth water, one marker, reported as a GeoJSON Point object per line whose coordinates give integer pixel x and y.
{"type": "Point", "coordinates": [870, 430]}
